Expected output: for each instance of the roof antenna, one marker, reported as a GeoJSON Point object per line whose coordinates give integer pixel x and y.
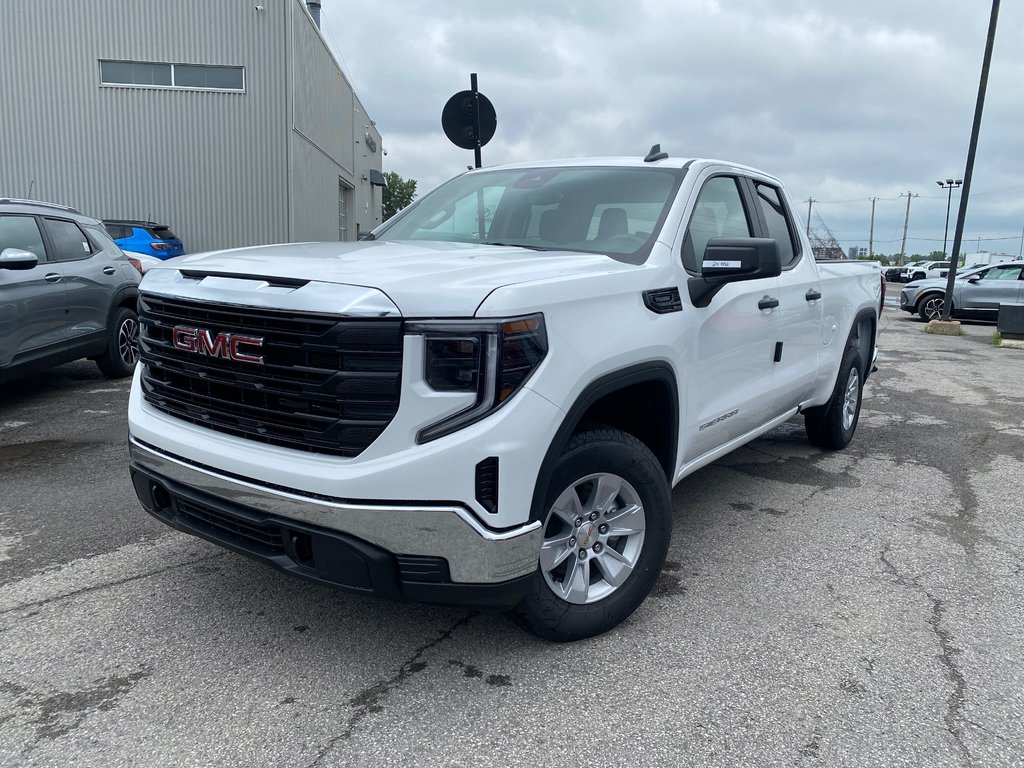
{"type": "Point", "coordinates": [655, 154]}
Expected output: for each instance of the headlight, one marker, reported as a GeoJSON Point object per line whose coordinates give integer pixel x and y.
{"type": "Point", "coordinates": [492, 359]}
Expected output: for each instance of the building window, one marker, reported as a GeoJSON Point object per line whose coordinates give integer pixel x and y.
{"type": "Point", "coordinates": [186, 76]}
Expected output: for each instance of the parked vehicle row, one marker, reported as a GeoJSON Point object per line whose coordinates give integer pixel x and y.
{"type": "Point", "coordinates": [977, 292]}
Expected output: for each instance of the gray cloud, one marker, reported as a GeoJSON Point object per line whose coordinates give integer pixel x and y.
{"type": "Point", "coordinates": [843, 101]}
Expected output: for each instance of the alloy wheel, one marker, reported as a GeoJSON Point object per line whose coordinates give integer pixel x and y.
{"type": "Point", "coordinates": [593, 538]}
{"type": "Point", "coordinates": [128, 341]}
{"type": "Point", "coordinates": [851, 399]}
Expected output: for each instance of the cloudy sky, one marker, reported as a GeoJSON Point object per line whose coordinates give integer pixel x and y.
{"type": "Point", "coordinates": [842, 100]}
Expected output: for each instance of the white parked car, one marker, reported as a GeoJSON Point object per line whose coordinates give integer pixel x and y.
{"type": "Point", "coordinates": [922, 270]}
{"type": "Point", "coordinates": [489, 402]}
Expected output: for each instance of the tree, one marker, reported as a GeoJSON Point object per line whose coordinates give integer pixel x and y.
{"type": "Point", "coordinates": [397, 193]}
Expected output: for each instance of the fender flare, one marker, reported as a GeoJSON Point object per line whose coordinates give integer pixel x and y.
{"type": "Point", "coordinates": [127, 292]}
{"type": "Point", "coordinates": [866, 347]}
{"type": "Point", "coordinates": [609, 383]}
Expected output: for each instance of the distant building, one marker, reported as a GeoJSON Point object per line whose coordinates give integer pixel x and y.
{"type": "Point", "coordinates": [855, 252]}
{"type": "Point", "coordinates": [231, 122]}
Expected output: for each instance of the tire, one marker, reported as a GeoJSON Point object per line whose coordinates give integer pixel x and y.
{"type": "Point", "coordinates": [919, 276]}
{"type": "Point", "coordinates": [122, 351]}
{"type": "Point", "coordinates": [930, 306]}
{"type": "Point", "coordinates": [831, 426]}
{"type": "Point", "coordinates": [605, 481]}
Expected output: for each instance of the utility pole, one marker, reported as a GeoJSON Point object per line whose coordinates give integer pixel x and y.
{"type": "Point", "coordinates": [810, 202]}
{"type": "Point", "coordinates": [906, 223]}
{"type": "Point", "coordinates": [871, 236]}
{"type": "Point", "coordinates": [1020, 249]}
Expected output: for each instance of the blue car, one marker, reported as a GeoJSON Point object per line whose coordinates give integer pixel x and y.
{"type": "Point", "coordinates": [145, 237]}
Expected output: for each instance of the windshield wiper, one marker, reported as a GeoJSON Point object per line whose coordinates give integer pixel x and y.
{"type": "Point", "coordinates": [518, 245]}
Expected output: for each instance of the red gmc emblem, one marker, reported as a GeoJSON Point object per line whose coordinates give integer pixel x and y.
{"type": "Point", "coordinates": [226, 345]}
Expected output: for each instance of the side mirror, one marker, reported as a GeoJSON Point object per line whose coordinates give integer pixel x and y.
{"type": "Point", "coordinates": [15, 258]}
{"type": "Point", "coordinates": [974, 280]}
{"type": "Point", "coordinates": [732, 260]}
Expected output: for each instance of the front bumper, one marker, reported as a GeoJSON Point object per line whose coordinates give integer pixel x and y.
{"type": "Point", "coordinates": [416, 551]}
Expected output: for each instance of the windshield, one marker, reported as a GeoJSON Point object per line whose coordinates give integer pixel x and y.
{"type": "Point", "coordinates": [611, 211]}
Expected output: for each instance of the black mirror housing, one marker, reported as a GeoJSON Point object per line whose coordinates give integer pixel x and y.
{"type": "Point", "coordinates": [731, 260]}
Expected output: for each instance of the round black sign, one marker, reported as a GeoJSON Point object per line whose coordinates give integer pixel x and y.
{"type": "Point", "coordinates": [459, 123]}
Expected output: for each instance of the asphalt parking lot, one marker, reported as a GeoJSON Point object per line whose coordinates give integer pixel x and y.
{"type": "Point", "coordinates": [860, 608]}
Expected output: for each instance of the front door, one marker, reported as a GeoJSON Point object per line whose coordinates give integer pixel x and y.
{"type": "Point", "coordinates": [730, 377]}
{"type": "Point", "coordinates": [33, 302]}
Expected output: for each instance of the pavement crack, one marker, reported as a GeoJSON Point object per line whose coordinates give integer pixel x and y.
{"type": "Point", "coordinates": [370, 699]}
{"type": "Point", "coordinates": [108, 584]}
{"type": "Point", "coordinates": [954, 717]}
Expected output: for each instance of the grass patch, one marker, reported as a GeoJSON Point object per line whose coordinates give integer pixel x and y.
{"type": "Point", "coordinates": [997, 339]}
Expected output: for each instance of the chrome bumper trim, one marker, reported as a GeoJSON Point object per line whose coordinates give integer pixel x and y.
{"type": "Point", "coordinates": [475, 554]}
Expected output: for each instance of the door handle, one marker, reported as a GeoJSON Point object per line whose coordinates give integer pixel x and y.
{"type": "Point", "coordinates": [109, 270]}
{"type": "Point", "coordinates": [812, 295]}
{"type": "Point", "coordinates": [767, 302]}
{"type": "Point", "coordinates": [53, 277]}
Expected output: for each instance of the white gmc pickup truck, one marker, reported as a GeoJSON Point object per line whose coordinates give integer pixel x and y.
{"type": "Point", "coordinates": [489, 400]}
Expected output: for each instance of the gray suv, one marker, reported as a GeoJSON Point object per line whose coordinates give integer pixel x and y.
{"type": "Point", "coordinates": [66, 292]}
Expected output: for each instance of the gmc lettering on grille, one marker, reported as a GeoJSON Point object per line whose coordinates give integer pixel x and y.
{"type": "Point", "coordinates": [225, 345]}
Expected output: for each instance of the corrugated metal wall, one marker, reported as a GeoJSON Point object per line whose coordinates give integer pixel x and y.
{"type": "Point", "coordinates": [214, 166]}
{"type": "Point", "coordinates": [327, 141]}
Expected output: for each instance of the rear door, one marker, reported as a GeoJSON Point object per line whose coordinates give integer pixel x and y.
{"type": "Point", "coordinates": [730, 386]}
{"type": "Point", "coordinates": [33, 302]}
{"type": "Point", "coordinates": [997, 285]}
{"type": "Point", "coordinates": [800, 298]}
{"type": "Point", "coordinates": [90, 277]}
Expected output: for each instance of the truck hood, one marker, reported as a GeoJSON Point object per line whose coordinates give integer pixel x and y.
{"type": "Point", "coordinates": [423, 279]}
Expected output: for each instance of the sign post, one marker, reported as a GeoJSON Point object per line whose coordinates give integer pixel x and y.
{"type": "Point", "coordinates": [469, 120]}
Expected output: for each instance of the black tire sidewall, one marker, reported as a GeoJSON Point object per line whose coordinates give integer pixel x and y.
{"type": "Point", "coordinates": [851, 362]}
{"type": "Point", "coordinates": [590, 452]}
{"type": "Point", "coordinates": [920, 307]}
{"type": "Point", "coordinates": [825, 425]}
{"type": "Point", "coordinates": [110, 363]}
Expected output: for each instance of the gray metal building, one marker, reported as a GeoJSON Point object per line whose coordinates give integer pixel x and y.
{"type": "Point", "coordinates": [229, 120]}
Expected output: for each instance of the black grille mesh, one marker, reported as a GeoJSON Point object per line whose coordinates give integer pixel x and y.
{"type": "Point", "coordinates": [327, 385]}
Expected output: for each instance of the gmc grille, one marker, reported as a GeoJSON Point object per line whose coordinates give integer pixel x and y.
{"type": "Point", "coordinates": [326, 385]}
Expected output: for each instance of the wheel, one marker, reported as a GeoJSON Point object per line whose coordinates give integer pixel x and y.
{"type": "Point", "coordinates": [607, 524]}
{"type": "Point", "coordinates": [122, 351]}
{"type": "Point", "coordinates": [920, 276]}
{"type": "Point", "coordinates": [930, 307]}
{"type": "Point", "coordinates": [832, 425]}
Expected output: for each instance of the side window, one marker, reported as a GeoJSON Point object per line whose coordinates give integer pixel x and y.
{"type": "Point", "coordinates": [21, 232]}
{"type": "Point", "coordinates": [718, 212]}
{"type": "Point", "coordinates": [116, 231]}
{"type": "Point", "coordinates": [1003, 273]}
{"type": "Point", "coordinates": [780, 228]}
{"type": "Point", "coordinates": [105, 241]}
{"type": "Point", "coordinates": [68, 241]}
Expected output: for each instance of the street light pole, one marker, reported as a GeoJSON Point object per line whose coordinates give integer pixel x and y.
{"type": "Point", "coordinates": [972, 149]}
{"type": "Point", "coordinates": [949, 184]}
